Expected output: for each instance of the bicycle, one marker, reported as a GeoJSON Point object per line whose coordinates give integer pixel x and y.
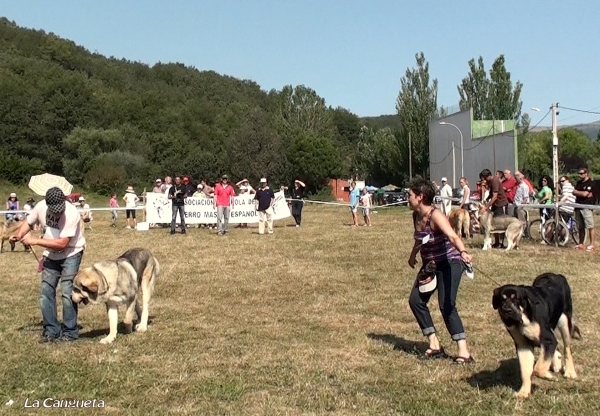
{"type": "Point", "coordinates": [562, 232]}
{"type": "Point", "coordinates": [535, 229]}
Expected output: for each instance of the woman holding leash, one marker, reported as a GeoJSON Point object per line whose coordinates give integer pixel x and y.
{"type": "Point", "coordinates": [437, 241]}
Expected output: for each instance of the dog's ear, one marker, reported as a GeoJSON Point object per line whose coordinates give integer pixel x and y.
{"type": "Point", "coordinates": [100, 284]}
{"type": "Point", "coordinates": [497, 298]}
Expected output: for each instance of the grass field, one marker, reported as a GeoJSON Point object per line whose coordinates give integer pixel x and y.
{"type": "Point", "coordinates": [311, 320]}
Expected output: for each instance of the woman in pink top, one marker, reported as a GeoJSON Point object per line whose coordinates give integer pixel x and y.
{"type": "Point", "coordinates": [113, 204]}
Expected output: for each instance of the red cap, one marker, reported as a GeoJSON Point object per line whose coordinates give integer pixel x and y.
{"type": "Point", "coordinates": [186, 179]}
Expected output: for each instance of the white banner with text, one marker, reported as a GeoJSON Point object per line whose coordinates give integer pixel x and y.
{"type": "Point", "coordinates": [202, 210]}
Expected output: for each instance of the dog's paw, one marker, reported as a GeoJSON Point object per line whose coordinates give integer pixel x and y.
{"type": "Point", "coordinates": [570, 374]}
{"type": "Point", "coordinates": [107, 340]}
{"type": "Point", "coordinates": [141, 328]}
{"type": "Point", "coordinates": [523, 394]}
{"type": "Point", "coordinates": [546, 375]}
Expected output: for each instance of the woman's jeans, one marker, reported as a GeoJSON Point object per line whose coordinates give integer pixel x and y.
{"type": "Point", "coordinates": [448, 279]}
{"type": "Point", "coordinates": [64, 271]}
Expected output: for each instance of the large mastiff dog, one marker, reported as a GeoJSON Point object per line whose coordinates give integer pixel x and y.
{"type": "Point", "coordinates": [533, 315]}
{"type": "Point", "coordinates": [117, 282]}
{"type": "Point", "coordinates": [489, 224]}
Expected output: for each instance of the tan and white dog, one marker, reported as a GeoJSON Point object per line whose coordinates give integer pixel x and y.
{"type": "Point", "coordinates": [460, 221]}
{"type": "Point", "coordinates": [511, 227]}
{"type": "Point", "coordinates": [119, 282]}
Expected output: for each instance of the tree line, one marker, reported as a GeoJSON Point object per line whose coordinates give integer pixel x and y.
{"type": "Point", "coordinates": [105, 122]}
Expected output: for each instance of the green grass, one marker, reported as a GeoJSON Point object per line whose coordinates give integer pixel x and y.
{"type": "Point", "coordinates": [311, 320]}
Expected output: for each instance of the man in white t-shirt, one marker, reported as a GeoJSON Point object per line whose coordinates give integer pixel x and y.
{"type": "Point", "coordinates": [446, 194]}
{"type": "Point", "coordinates": [64, 244]}
{"type": "Point", "coordinates": [85, 212]}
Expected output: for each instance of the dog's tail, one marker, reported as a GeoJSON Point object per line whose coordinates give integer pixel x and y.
{"type": "Point", "coordinates": [155, 273]}
{"type": "Point", "coordinates": [574, 330]}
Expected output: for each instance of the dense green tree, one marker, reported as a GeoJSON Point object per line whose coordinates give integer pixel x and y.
{"type": "Point", "coordinates": [417, 106]}
{"type": "Point", "coordinates": [492, 98]}
{"type": "Point", "coordinates": [314, 159]}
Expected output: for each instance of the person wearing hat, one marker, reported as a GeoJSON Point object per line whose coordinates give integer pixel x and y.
{"type": "Point", "coordinates": [436, 241]}
{"type": "Point", "coordinates": [64, 244]}
{"type": "Point", "coordinates": [223, 199]}
{"type": "Point", "coordinates": [12, 204]}
{"type": "Point", "coordinates": [159, 188]}
{"type": "Point", "coordinates": [198, 193]}
{"type": "Point", "coordinates": [189, 187]}
{"type": "Point", "coordinates": [446, 195]}
{"type": "Point", "coordinates": [263, 203]}
{"type": "Point", "coordinates": [298, 201]}
{"type": "Point", "coordinates": [177, 195]}
{"type": "Point", "coordinates": [245, 189]}
{"type": "Point", "coordinates": [84, 211]}
{"type": "Point", "coordinates": [131, 199]}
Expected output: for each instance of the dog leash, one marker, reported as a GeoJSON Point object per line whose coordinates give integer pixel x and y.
{"type": "Point", "coordinates": [485, 275]}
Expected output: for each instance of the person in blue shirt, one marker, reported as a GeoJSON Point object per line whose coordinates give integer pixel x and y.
{"type": "Point", "coordinates": [354, 198]}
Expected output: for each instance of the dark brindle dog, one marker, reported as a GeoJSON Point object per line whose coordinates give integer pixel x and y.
{"type": "Point", "coordinates": [532, 315]}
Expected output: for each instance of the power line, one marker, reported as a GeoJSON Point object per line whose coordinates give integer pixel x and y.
{"type": "Point", "coordinates": [577, 115]}
{"type": "Point", "coordinates": [445, 157]}
{"type": "Point", "coordinates": [580, 111]}
{"type": "Point", "coordinates": [538, 123]}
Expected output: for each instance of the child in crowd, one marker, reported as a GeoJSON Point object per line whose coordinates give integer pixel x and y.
{"type": "Point", "coordinates": [113, 204]}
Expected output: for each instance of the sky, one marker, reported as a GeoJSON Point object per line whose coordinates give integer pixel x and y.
{"type": "Point", "coordinates": [352, 53]}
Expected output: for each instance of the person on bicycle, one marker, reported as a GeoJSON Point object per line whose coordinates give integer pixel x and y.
{"type": "Point", "coordinates": [566, 195]}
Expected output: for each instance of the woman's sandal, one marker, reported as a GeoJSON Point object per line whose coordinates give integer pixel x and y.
{"type": "Point", "coordinates": [463, 360]}
{"type": "Point", "coordinates": [432, 354]}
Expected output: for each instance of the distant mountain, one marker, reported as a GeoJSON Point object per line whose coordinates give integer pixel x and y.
{"type": "Point", "coordinates": [591, 129]}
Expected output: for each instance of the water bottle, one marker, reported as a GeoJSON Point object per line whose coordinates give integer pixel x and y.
{"type": "Point", "coordinates": [570, 223]}
{"type": "Point", "coordinates": [469, 274]}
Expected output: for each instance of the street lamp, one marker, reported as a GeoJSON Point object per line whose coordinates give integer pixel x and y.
{"type": "Point", "coordinates": [462, 153]}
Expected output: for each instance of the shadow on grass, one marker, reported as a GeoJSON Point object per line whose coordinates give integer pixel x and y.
{"type": "Point", "coordinates": [121, 329]}
{"type": "Point", "coordinates": [401, 344]}
{"type": "Point", "coordinates": [507, 374]}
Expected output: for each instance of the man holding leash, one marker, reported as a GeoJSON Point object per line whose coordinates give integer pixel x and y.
{"type": "Point", "coordinates": [64, 244]}
{"type": "Point", "coordinates": [497, 203]}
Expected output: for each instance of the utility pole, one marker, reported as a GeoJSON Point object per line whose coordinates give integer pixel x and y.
{"type": "Point", "coordinates": [453, 167]}
{"type": "Point", "coordinates": [409, 156]}
{"type": "Point", "coordinates": [555, 144]}
{"type": "Point", "coordinates": [554, 109]}
{"type": "Point", "coordinates": [494, 142]}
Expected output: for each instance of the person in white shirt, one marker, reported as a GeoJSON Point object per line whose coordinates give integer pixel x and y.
{"type": "Point", "coordinates": [63, 244]}
{"type": "Point", "coordinates": [366, 203]}
{"type": "Point", "coordinates": [446, 194]}
{"type": "Point", "coordinates": [84, 211]}
{"type": "Point", "coordinates": [465, 193]}
{"type": "Point", "coordinates": [566, 195]}
{"type": "Point", "coordinates": [522, 192]}
{"type": "Point", "coordinates": [521, 198]}
{"type": "Point", "coordinates": [131, 200]}
{"type": "Point", "coordinates": [167, 185]}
